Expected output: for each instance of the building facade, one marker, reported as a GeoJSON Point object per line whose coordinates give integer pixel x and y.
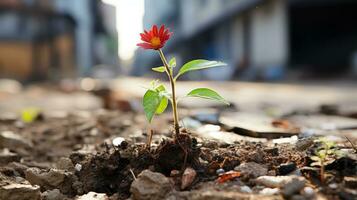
{"type": "Point", "coordinates": [263, 39]}
{"type": "Point", "coordinates": [54, 39]}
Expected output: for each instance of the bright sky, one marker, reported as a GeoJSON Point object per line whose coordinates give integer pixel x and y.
{"type": "Point", "coordinates": [129, 24]}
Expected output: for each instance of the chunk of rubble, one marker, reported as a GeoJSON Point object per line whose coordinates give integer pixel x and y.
{"type": "Point", "coordinates": [12, 141]}
{"type": "Point", "coordinates": [277, 181]}
{"type": "Point", "coordinates": [150, 186]}
{"type": "Point", "coordinates": [15, 191]}
{"type": "Point", "coordinates": [53, 195]}
{"type": "Point", "coordinates": [293, 187]}
{"type": "Point", "coordinates": [6, 157]}
{"type": "Point", "coordinates": [50, 179]}
{"type": "Point", "coordinates": [252, 169]}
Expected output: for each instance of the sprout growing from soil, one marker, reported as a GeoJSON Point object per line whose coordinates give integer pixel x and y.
{"type": "Point", "coordinates": [156, 98]}
{"type": "Point", "coordinates": [326, 154]}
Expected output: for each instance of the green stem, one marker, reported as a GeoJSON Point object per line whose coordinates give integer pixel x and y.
{"type": "Point", "coordinates": [174, 100]}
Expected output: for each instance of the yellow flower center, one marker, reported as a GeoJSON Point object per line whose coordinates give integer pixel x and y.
{"type": "Point", "coordinates": [155, 41]}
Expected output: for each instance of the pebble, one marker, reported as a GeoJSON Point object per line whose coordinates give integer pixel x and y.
{"type": "Point", "coordinates": [286, 168]}
{"type": "Point", "coordinates": [174, 173]}
{"type": "Point", "coordinates": [308, 192]}
{"type": "Point", "coordinates": [256, 156]}
{"type": "Point", "coordinates": [50, 179]}
{"type": "Point", "coordinates": [53, 195]}
{"type": "Point", "coordinates": [252, 169]}
{"type": "Point", "coordinates": [12, 141]}
{"type": "Point", "coordinates": [350, 182]}
{"type": "Point", "coordinates": [291, 140]}
{"type": "Point", "coordinates": [188, 177]}
{"type": "Point", "coordinates": [269, 191]}
{"type": "Point", "coordinates": [117, 141]}
{"type": "Point", "coordinates": [276, 181]}
{"type": "Point", "coordinates": [220, 171]}
{"type": "Point", "coordinates": [150, 186]}
{"type": "Point", "coordinates": [292, 187]}
{"type": "Point", "coordinates": [93, 196]}
{"type": "Point", "coordinates": [246, 189]}
{"type": "Point", "coordinates": [78, 167]}
{"type": "Point", "coordinates": [304, 143]}
{"type": "Point", "coordinates": [65, 164]}
{"type": "Point", "coordinates": [6, 157]}
{"type": "Point", "coordinates": [333, 186]}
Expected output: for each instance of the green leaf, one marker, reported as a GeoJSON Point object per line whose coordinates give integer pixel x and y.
{"type": "Point", "coordinates": [163, 105]}
{"type": "Point", "coordinates": [172, 62]}
{"type": "Point", "coordinates": [159, 69]}
{"type": "Point", "coordinates": [160, 88]}
{"type": "Point", "coordinates": [315, 164]}
{"type": "Point", "coordinates": [315, 158]}
{"type": "Point", "coordinates": [29, 115]}
{"type": "Point", "coordinates": [151, 103]}
{"type": "Point", "coordinates": [206, 93]}
{"type": "Point", "coordinates": [197, 65]}
{"type": "Point", "coordinates": [164, 98]}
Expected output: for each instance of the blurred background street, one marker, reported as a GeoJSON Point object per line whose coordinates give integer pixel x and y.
{"type": "Point", "coordinates": [261, 40]}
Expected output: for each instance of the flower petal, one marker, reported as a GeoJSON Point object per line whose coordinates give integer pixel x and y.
{"type": "Point", "coordinates": [145, 37]}
{"type": "Point", "coordinates": [161, 31]}
{"type": "Point", "coordinates": [155, 31]}
{"type": "Point", "coordinates": [145, 45]}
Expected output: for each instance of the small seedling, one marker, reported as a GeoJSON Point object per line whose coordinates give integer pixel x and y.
{"type": "Point", "coordinates": [326, 154]}
{"type": "Point", "coordinates": [156, 98]}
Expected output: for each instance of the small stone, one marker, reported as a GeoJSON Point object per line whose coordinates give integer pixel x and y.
{"type": "Point", "coordinates": [252, 169]}
{"type": "Point", "coordinates": [6, 157]}
{"type": "Point", "coordinates": [350, 182]}
{"type": "Point", "coordinates": [117, 141]}
{"type": "Point", "coordinates": [220, 171]}
{"type": "Point", "coordinates": [305, 143]}
{"type": "Point", "coordinates": [20, 168]}
{"type": "Point", "coordinates": [51, 179]}
{"type": "Point", "coordinates": [269, 191]}
{"type": "Point", "coordinates": [333, 186]}
{"type": "Point", "coordinates": [308, 192]}
{"type": "Point", "coordinates": [52, 195]}
{"type": "Point", "coordinates": [93, 196]}
{"type": "Point", "coordinates": [174, 173]}
{"type": "Point", "coordinates": [294, 186]}
{"type": "Point", "coordinates": [245, 189]}
{"type": "Point", "coordinates": [276, 181]}
{"type": "Point", "coordinates": [78, 167]}
{"type": "Point", "coordinates": [150, 186]}
{"type": "Point", "coordinates": [19, 179]}
{"type": "Point", "coordinates": [16, 191]}
{"type": "Point", "coordinates": [256, 156]}
{"type": "Point", "coordinates": [12, 141]}
{"type": "Point", "coordinates": [286, 168]}
{"type": "Point", "coordinates": [65, 164]}
{"type": "Point", "coordinates": [291, 140]}
{"type": "Point", "coordinates": [188, 177]}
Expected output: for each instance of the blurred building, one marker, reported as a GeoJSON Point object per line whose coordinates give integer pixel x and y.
{"type": "Point", "coordinates": [41, 39]}
{"type": "Point", "coordinates": [259, 39]}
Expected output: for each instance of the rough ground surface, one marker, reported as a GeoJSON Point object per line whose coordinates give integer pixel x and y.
{"type": "Point", "coordinates": [75, 149]}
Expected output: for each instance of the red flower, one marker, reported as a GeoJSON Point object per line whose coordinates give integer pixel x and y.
{"type": "Point", "coordinates": [155, 39]}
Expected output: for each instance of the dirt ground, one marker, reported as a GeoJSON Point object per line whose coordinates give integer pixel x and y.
{"type": "Point", "coordinates": [60, 142]}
